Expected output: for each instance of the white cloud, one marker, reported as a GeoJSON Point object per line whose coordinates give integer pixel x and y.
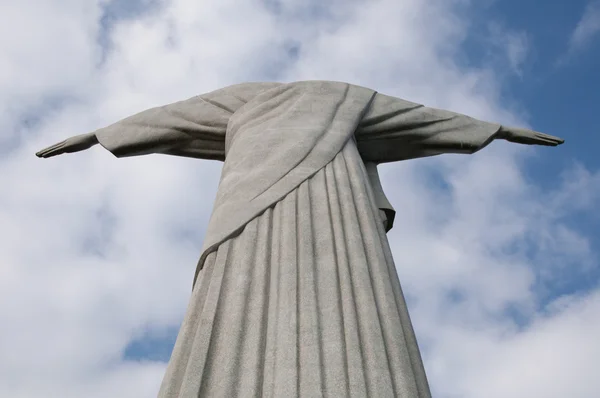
{"type": "Point", "coordinates": [96, 250]}
{"type": "Point", "coordinates": [585, 32]}
{"type": "Point", "coordinates": [509, 47]}
{"type": "Point", "coordinates": [477, 259]}
{"type": "Point", "coordinates": [587, 27]}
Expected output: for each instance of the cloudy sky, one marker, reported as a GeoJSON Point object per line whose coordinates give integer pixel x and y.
{"type": "Point", "coordinates": [498, 252]}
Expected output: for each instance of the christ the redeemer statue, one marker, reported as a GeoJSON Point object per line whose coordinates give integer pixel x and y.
{"type": "Point", "coordinates": [296, 293]}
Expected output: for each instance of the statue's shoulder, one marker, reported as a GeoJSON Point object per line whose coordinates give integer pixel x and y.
{"type": "Point", "coordinates": [242, 91]}
{"type": "Point", "coordinates": [249, 90]}
{"type": "Point", "coordinates": [332, 87]}
{"type": "Point", "coordinates": [325, 84]}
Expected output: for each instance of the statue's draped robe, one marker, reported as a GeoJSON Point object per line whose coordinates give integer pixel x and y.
{"type": "Point", "coordinates": [296, 293]}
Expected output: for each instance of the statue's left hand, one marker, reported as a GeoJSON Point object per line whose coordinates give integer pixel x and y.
{"type": "Point", "coordinates": [73, 144]}
{"type": "Point", "coordinates": [528, 137]}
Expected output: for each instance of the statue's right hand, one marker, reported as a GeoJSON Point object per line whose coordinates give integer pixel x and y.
{"type": "Point", "coordinates": [528, 137]}
{"type": "Point", "coordinates": [73, 144]}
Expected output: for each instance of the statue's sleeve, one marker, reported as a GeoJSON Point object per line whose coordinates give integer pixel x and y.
{"type": "Point", "coordinates": [393, 129]}
{"type": "Point", "coordinates": [194, 127]}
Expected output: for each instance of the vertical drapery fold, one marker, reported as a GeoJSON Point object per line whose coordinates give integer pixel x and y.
{"type": "Point", "coordinates": [304, 302]}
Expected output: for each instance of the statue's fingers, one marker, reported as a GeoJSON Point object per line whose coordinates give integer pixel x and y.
{"type": "Point", "coordinates": [53, 150]}
{"type": "Point", "coordinates": [552, 140]}
{"type": "Point", "coordinates": [547, 136]}
{"type": "Point", "coordinates": [51, 147]}
{"type": "Point", "coordinates": [548, 142]}
{"type": "Point", "coordinates": [44, 152]}
{"type": "Point", "coordinates": [544, 141]}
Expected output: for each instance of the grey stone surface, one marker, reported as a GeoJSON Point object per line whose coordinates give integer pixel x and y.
{"type": "Point", "coordinates": [296, 292]}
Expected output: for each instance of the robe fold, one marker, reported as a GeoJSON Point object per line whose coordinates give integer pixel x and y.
{"type": "Point", "coordinates": [296, 293]}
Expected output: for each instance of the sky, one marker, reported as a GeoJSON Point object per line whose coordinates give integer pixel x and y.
{"type": "Point", "coordinates": [498, 252]}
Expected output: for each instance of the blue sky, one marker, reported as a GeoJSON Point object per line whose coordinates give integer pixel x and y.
{"type": "Point", "coordinates": [498, 253]}
{"type": "Point", "coordinates": [559, 87]}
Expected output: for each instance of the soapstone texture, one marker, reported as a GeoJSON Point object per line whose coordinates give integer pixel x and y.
{"type": "Point", "coordinates": [296, 293]}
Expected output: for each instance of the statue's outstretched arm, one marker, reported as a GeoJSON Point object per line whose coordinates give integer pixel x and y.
{"type": "Point", "coordinates": [394, 129]}
{"type": "Point", "coordinates": [192, 126]}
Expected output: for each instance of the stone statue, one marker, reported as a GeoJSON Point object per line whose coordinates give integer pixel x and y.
{"type": "Point", "coordinates": [296, 293]}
